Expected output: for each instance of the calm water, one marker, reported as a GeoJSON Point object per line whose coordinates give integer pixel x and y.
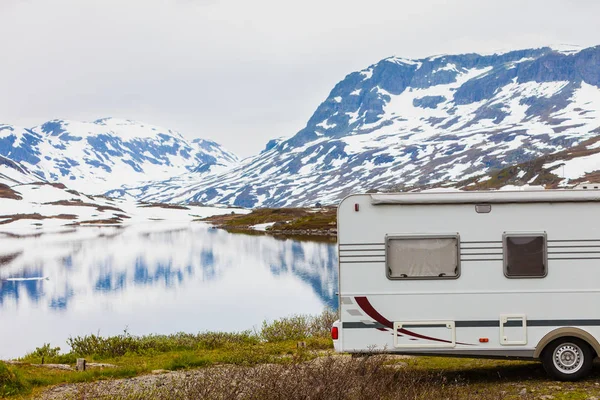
{"type": "Point", "coordinates": [155, 278]}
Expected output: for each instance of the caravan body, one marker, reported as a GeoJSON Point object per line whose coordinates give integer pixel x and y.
{"type": "Point", "coordinates": [485, 274]}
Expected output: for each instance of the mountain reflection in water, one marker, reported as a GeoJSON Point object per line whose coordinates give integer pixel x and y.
{"type": "Point", "coordinates": [155, 278]}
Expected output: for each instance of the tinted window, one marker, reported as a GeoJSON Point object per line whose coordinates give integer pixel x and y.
{"type": "Point", "coordinates": [525, 256]}
{"type": "Point", "coordinates": [422, 257]}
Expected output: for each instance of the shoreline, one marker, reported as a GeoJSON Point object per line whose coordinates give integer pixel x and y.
{"type": "Point", "coordinates": [308, 223]}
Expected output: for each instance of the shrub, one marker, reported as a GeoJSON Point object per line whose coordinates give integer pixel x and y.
{"type": "Point", "coordinates": [298, 327]}
{"type": "Point", "coordinates": [11, 383]}
{"type": "Point", "coordinates": [120, 345]}
{"type": "Point", "coordinates": [44, 353]}
{"type": "Point", "coordinates": [188, 361]}
{"type": "Point", "coordinates": [321, 379]}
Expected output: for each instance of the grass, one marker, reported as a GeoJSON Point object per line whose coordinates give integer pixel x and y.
{"type": "Point", "coordinates": [11, 381]}
{"type": "Point", "coordinates": [269, 364]}
{"type": "Point", "coordinates": [291, 221]}
{"type": "Point", "coordinates": [275, 343]}
{"type": "Point", "coordinates": [7, 193]}
{"type": "Point", "coordinates": [339, 377]}
{"type": "Point", "coordinates": [7, 219]}
{"type": "Point", "coordinates": [257, 216]}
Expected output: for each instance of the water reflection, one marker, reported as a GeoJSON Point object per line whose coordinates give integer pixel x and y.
{"type": "Point", "coordinates": [156, 278]}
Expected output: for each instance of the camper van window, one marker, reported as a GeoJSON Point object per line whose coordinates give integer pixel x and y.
{"type": "Point", "coordinates": [525, 256]}
{"type": "Point", "coordinates": [425, 257]}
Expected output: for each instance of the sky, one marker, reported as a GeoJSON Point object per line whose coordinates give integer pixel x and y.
{"type": "Point", "coordinates": [236, 71]}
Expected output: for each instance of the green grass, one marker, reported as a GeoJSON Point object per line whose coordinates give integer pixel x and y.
{"type": "Point", "coordinates": [264, 215]}
{"type": "Point", "coordinates": [285, 219]}
{"type": "Point", "coordinates": [11, 381]}
{"type": "Point", "coordinates": [285, 370]}
{"type": "Point", "coordinates": [327, 220]}
{"type": "Point", "coordinates": [132, 364]}
{"type": "Point", "coordinates": [275, 343]}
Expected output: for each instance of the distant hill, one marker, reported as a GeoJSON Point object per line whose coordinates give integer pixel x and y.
{"type": "Point", "coordinates": [95, 157]}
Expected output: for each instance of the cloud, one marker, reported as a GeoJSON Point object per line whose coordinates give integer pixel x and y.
{"type": "Point", "coordinates": [236, 71]}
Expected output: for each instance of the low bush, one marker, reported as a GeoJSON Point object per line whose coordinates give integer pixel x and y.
{"type": "Point", "coordinates": [188, 361]}
{"type": "Point", "coordinates": [120, 345]}
{"type": "Point", "coordinates": [11, 383]}
{"type": "Point", "coordinates": [298, 327]}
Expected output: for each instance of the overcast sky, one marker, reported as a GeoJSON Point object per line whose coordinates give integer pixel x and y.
{"type": "Point", "coordinates": [241, 71]}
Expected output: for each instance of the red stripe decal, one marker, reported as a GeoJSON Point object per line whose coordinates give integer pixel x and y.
{"type": "Point", "coordinates": [366, 306]}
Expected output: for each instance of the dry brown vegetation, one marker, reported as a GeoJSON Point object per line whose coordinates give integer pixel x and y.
{"type": "Point", "coordinates": [79, 203]}
{"type": "Point", "coordinates": [535, 169]}
{"type": "Point", "coordinates": [7, 219]}
{"type": "Point", "coordinates": [164, 205]}
{"type": "Point", "coordinates": [7, 193]}
{"type": "Point", "coordinates": [287, 221]}
{"type": "Point", "coordinates": [107, 221]}
{"type": "Point", "coordinates": [343, 377]}
{"type": "Point", "coordinates": [8, 258]}
{"type": "Point", "coordinates": [324, 378]}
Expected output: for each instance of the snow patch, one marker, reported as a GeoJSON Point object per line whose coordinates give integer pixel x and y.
{"type": "Point", "coordinates": [262, 227]}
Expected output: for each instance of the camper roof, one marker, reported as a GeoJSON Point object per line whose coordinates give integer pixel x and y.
{"type": "Point", "coordinates": [473, 197]}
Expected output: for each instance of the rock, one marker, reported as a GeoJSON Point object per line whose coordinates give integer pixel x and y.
{"type": "Point", "coordinates": [159, 371]}
{"type": "Point", "coordinates": [64, 367]}
{"type": "Point", "coordinates": [80, 364]}
{"type": "Point", "coordinates": [546, 397]}
{"type": "Point", "coordinates": [523, 392]}
{"type": "Point", "coordinates": [100, 365]}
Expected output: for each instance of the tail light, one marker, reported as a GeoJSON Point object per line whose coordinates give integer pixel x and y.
{"type": "Point", "coordinates": [334, 333]}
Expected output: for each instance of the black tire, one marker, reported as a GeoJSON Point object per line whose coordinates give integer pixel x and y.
{"type": "Point", "coordinates": [568, 359]}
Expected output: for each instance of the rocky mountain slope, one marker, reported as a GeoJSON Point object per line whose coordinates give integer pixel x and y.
{"type": "Point", "coordinates": [95, 157]}
{"type": "Point", "coordinates": [406, 123]}
{"type": "Point", "coordinates": [578, 166]}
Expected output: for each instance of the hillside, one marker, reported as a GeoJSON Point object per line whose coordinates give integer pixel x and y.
{"type": "Point", "coordinates": [407, 123]}
{"type": "Point", "coordinates": [574, 167]}
{"type": "Point", "coordinates": [467, 120]}
{"type": "Point", "coordinates": [95, 157]}
{"type": "Point", "coordinates": [29, 206]}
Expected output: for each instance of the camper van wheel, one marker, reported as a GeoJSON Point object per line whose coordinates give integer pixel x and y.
{"type": "Point", "coordinates": [568, 359]}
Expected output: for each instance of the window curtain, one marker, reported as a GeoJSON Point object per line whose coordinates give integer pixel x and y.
{"type": "Point", "coordinates": [426, 257]}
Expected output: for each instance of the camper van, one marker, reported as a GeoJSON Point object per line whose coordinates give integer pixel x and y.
{"type": "Point", "coordinates": [496, 274]}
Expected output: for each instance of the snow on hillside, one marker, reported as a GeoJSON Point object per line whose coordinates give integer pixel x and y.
{"type": "Point", "coordinates": [574, 167]}
{"type": "Point", "coordinates": [405, 123]}
{"type": "Point", "coordinates": [95, 157]}
{"type": "Point", "coordinates": [12, 173]}
{"type": "Point", "coordinates": [33, 208]}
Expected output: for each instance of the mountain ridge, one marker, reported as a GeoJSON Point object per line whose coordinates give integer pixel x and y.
{"type": "Point", "coordinates": [433, 121]}
{"type": "Point", "coordinates": [104, 154]}
{"type": "Point", "coordinates": [416, 122]}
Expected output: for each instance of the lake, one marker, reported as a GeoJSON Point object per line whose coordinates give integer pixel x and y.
{"type": "Point", "coordinates": [155, 278]}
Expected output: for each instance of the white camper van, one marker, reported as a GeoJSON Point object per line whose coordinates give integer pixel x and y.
{"type": "Point", "coordinates": [476, 274]}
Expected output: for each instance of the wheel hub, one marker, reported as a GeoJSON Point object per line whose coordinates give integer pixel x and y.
{"type": "Point", "coordinates": [568, 358]}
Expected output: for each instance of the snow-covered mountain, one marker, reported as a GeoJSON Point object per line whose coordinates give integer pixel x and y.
{"type": "Point", "coordinates": [12, 173]}
{"type": "Point", "coordinates": [95, 157]}
{"type": "Point", "coordinates": [578, 166]}
{"type": "Point", "coordinates": [30, 206]}
{"type": "Point", "coordinates": [404, 123]}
